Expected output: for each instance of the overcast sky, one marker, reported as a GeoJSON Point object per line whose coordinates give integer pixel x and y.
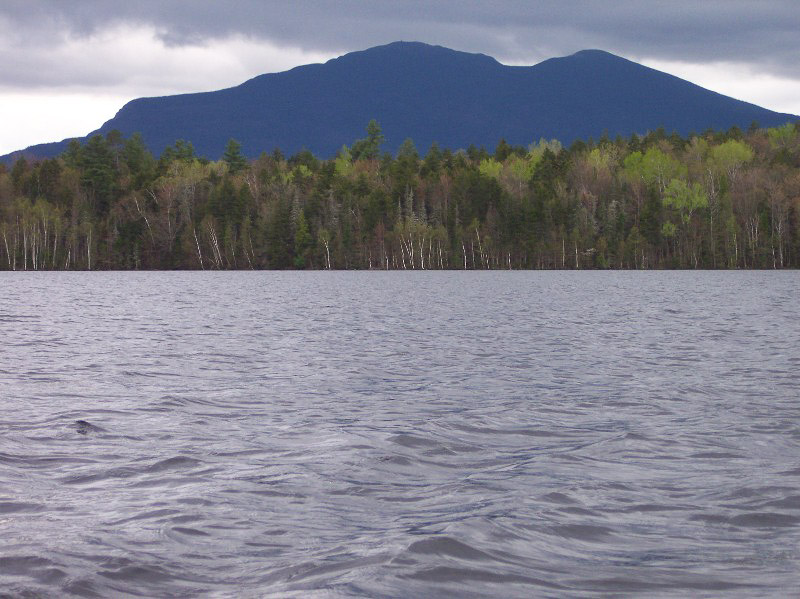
{"type": "Point", "coordinates": [69, 65]}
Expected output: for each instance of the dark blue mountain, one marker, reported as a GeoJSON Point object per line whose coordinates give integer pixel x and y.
{"type": "Point", "coordinates": [430, 93]}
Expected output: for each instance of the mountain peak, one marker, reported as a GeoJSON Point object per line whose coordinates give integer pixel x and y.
{"type": "Point", "coordinates": [411, 50]}
{"type": "Point", "coordinates": [594, 53]}
{"type": "Point", "coordinates": [431, 93]}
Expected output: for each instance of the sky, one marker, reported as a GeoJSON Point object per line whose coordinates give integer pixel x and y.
{"type": "Point", "coordinates": [69, 65]}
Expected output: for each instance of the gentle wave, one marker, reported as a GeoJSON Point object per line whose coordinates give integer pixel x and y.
{"type": "Point", "coordinates": [400, 435]}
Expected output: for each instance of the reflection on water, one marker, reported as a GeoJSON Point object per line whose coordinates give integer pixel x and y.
{"type": "Point", "coordinates": [399, 434]}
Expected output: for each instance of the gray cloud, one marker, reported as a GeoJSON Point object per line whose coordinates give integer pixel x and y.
{"type": "Point", "coordinates": [68, 63]}
{"type": "Point", "coordinates": [761, 33]}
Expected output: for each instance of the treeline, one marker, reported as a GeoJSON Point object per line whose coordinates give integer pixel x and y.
{"type": "Point", "coordinates": [717, 200]}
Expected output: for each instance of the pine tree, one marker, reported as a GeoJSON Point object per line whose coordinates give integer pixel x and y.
{"type": "Point", "coordinates": [233, 157]}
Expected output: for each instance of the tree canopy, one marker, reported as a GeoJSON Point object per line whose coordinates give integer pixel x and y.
{"type": "Point", "coordinates": [727, 199]}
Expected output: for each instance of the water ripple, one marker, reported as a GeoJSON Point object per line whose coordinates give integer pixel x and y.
{"type": "Point", "coordinates": [399, 434]}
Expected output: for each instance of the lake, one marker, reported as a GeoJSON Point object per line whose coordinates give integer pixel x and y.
{"type": "Point", "coordinates": [399, 434]}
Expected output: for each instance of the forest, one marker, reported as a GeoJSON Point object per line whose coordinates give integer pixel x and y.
{"type": "Point", "coordinates": [720, 199]}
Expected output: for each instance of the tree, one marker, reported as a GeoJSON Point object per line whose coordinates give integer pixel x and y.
{"type": "Point", "coordinates": [370, 146]}
{"type": "Point", "coordinates": [781, 137]}
{"type": "Point", "coordinates": [139, 161]}
{"type": "Point", "coordinates": [98, 175]}
{"type": "Point", "coordinates": [730, 156]}
{"type": "Point", "coordinates": [302, 242]}
{"type": "Point", "coordinates": [685, 198]}
{"type": "Point", "coordinates": [433, 161]}
{"type": "Point", "coordinates": [490, 168]}
{"type": "Point", "coordinates": [502, 151]}
{"type": "Point", "coordinates": [344, 162]}
{"type": "Point", "coordinates": [655, 167]}
{"type": "Point", "coordinates": [628, 204]}
{"type": "Point", "coordinates": [233, 157]}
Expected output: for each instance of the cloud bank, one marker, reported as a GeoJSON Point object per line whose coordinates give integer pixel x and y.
{"type": "Point", "coordinates": [95, 53]}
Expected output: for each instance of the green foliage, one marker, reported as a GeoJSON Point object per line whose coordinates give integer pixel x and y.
{"type": "Point", "coordinates": [181, 150]}
{"type": "Point", "coordinates": [98, 173]}
{"type": "Point", "coordinates": [489, 167]}
{"type": "Point", "coordinates": [408, 151]}
{"type": "Point", "coordinates": [139, 161]}
{"type": "Point", "coordinates": [233, 157]}
{"type": "Point", "coordinates": [433, 162]}
{"type": "Point", "coordinates": [727, 199]}
{"type": "Point", "coordinates": [300, 172]}
{"type": "Point", "coordinates": [227, 203]}
{"type": "Point", "coordinates": [522, 167]}
{"type": "Point", "coordinates": [369, 147]}
{"type": "Point", "coordinates": [306, 158]}
{"type": "Point", "coordinates": [72, 156]}
{"type": "Point", "coordinates": [18, 174]}
{"type": "Point", "coordinates": [668, 229]}
{"type": "Point", "coordinates": [302, 242]}
{"type": "Point", "coordinates": [537, 149]}
{"type": "Point", "coordinates": [279, 246]}
{"type": "Point", "coordinates": [685, 198]}
{"type": "Point", "coordinates": [344, 162]}
{"type": "Point", "coordinates": [654, 167]}
{"type": "Point", "coordinates": [599, 159]}
{"type": "Point", "coordinates": [503, 151]}
{"type": "Point", "coordinates": [781, 137]}
{"type": "Point", "coordinates": [730, 156]}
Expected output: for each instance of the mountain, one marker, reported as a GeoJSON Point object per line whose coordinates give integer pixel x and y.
{"type": "Point", "coordinates": [431, 93]}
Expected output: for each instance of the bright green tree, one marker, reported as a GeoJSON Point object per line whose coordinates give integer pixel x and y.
{"type": "Point", "coordinates": [685, 198]}
{"type": "Point", "coordinates": [730, 156]}
{"type": "Point", "coordinates": [489, 167]}
{"type": "Point", "coordinates": [781, 137]}
{"type": "Point", "coordinates": [344, 162]}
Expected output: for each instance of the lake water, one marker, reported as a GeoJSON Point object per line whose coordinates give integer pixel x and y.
{"type": "Point", "coordinates": [404, 434]}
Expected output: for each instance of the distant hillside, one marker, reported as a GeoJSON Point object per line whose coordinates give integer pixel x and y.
{"type": "Point", "coordinates": [430, 93]}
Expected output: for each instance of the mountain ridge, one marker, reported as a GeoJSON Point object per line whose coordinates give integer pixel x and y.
{"type": "Point", "coordinates": [430, 94]}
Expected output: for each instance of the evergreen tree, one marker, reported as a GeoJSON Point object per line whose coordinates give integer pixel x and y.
{"type": "Point", "coordinates": [233, 157]}
{"type": "Point", "coordinates": [369, 147]}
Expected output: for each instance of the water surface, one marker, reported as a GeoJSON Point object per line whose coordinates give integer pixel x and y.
{"type": "Point", "coordinates": [425, 434]}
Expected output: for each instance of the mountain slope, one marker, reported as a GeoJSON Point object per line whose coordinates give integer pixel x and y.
{"type": "Point", "coordinates": [430, 93]}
